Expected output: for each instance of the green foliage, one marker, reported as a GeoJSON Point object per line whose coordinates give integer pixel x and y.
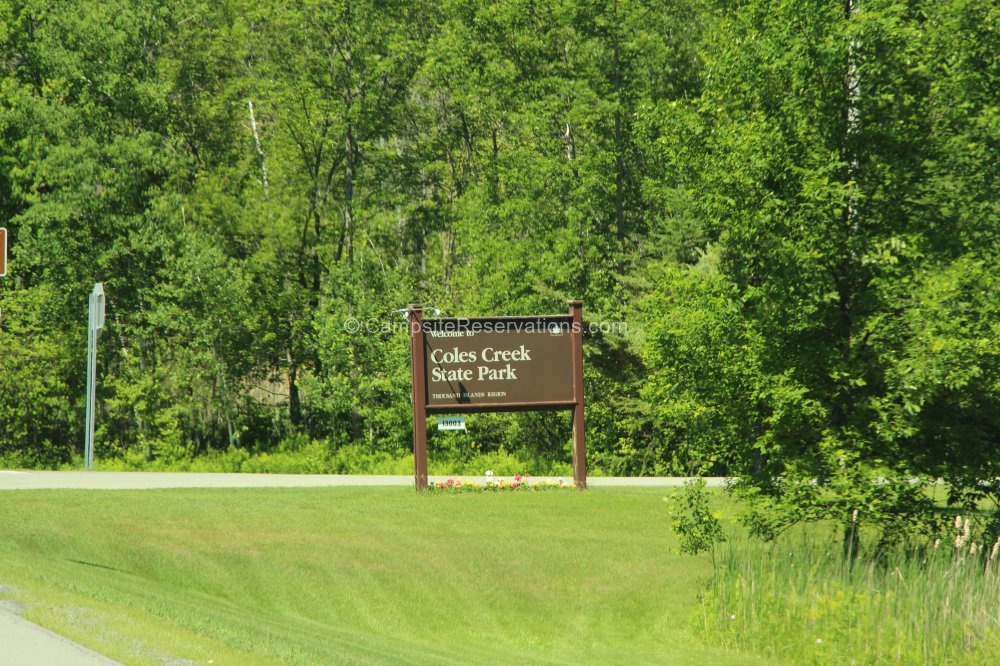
{"type": "Point", "coordinates": [696, 527]}
{"type": "Point", "coordinates": [792, 205]}
{"type": "Point", "coordinates": [302, 456]}
{"type": "Point", "coordinates": [36, 424]}
{"type": "Point", "coordinates": [812, 349]}
{"type": "Point", "coordinates": [805, 600]}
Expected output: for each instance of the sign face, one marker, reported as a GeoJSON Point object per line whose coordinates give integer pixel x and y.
{"type": "Point", "coordinates": [495, 364]}
{"type": "Point", "coordinates": [3, 252]}
{"type": "Point", "coordinates": [451, 423]}
{"type": "Point", "coordinates": [96, 303]}
{"type": "Point", "coordinates": [498, 362]}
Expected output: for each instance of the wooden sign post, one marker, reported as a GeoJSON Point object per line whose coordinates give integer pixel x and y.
{"type": "Point", "coordinates": [497, 364]}
{"type": "Point", "coordinates": [3, 262]}
{"type": "Point", "coordinates": [3, 252]}
{"type": "Point", "coordinates": [417, 371]}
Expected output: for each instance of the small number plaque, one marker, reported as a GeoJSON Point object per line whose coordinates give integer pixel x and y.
{"type": "Point", "coordinates": [451, 423]}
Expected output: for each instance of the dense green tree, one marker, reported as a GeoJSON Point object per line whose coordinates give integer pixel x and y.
{"type": "Point", "coordinates": [36, 424]}
{"type": "Point", "coordinates": [794, 206]}
{"type": "Point", "coordinates": [787, 356]}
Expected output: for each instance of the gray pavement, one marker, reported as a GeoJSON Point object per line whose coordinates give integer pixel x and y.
{"type": "Point", "coordinates": [23, 643]}
{"type": "Point", "coordinates": [35, 480]}
{"type": "Point", "coordinates": [32, 480]}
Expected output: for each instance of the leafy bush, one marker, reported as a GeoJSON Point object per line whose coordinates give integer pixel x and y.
{"type": "Point", "coordinates": [696, 527]}
{"type": "Point", "coordinates": [303, 456]}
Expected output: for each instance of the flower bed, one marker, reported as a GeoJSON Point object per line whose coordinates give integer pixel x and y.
{"type": "Point", "coordinates": [500, 484]}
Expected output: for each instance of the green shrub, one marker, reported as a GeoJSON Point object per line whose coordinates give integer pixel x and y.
{"type": "Point", "coordinates": [299, 455]}
{"type": "Point", "coordinates": [696, 527]}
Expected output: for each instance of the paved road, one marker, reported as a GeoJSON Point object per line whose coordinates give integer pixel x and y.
{"type": "Point", "coordinates": [26, 644]}
{"type": "Point", "coordinates": [23, 480]}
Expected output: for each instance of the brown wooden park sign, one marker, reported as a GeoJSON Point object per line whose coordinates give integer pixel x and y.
{"type": "Point", "coordinates": [496, 364]}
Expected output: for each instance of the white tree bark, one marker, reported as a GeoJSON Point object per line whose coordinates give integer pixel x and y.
{"type": "Point", "coordinates": [260, 151]}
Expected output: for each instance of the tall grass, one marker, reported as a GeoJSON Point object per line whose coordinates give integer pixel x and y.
{"type": "Point", "coordinates": [317, 457]}
{"type": "Point", "coordinates": [805, 599]}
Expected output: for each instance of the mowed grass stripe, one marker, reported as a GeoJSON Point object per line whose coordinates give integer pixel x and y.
{"type": "Point", "coordinates": [358, 575]}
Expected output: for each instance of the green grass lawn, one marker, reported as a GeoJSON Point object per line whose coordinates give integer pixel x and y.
{"type": "Point", "coordinates": [356, 575]}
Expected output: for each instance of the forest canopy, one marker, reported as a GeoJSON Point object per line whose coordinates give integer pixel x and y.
{"type": "Point", "coordinates": [792, 206]}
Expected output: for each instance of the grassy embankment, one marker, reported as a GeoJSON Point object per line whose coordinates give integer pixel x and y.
{"type": "Point", "coordinates": [365, 575]}
{"type": "Point", "coordinates": [356, 575]}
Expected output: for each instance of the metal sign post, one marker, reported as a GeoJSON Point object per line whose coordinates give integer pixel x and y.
{"type": "Point", "coordinates": [95, 323]}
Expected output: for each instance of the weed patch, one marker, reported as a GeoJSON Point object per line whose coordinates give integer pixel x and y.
{"type": "Point", "coordinates": [805, 599]}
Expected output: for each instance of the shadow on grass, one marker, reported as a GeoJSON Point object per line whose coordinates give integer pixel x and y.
{"type": "Point", "coordinates": [95, 565]}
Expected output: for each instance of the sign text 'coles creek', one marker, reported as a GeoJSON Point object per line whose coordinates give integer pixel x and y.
{"type": "Point", "coordinates": [441, 357]}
